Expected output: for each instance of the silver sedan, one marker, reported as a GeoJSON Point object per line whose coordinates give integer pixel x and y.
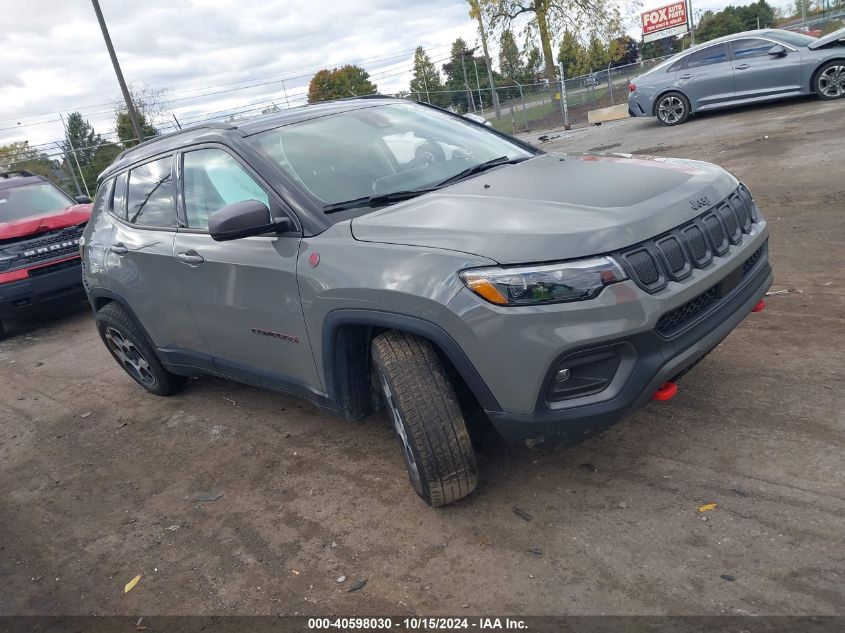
{"type": "Point", "coordinates": [742, 68]}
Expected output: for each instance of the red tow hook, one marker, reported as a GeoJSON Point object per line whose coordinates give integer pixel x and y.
{"type": "Point", "coordinates": [666, 392]}
{"type": "Point", "coordinates": [761, 305]}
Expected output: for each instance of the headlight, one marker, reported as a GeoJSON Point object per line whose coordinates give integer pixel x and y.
{"type": "Point", "coordinates": [552, 283]}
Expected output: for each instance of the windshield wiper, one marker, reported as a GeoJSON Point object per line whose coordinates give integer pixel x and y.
{"type": "Point", "coordinates": [376, 201]}
{"type": "Point", "coordinates": [477, 169]}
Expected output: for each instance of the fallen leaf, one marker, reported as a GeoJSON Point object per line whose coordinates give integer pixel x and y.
{"type": "Point", "coordinates": [708, 506]}
{"type": "Point", "coordinates": [295, 573]}
{"type": "Point", "coordinates": [131, 584]}
{"type": "Point", "coordinates": [522, 514]}
{"type": "Point", "coordinates": [207, 495]}
{"type": "Point", "coordinates": [357, 585]}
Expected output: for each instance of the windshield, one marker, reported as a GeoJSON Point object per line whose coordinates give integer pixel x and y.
{"type": "Point", "coordinates": [795, 39]}
{"type": "Point", "coordinates": [381, 150]}
{"type": "Point", "coordinates": [26, 201]}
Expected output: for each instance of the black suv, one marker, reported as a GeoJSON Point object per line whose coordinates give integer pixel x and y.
{"type": "Point", "coordinates": [40, 227]}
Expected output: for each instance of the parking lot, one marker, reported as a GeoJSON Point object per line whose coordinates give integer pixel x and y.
{"type": "Point", "coordinates": [98, 480]}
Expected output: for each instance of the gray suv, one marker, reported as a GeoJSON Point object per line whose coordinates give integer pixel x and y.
{"type": "Point", "coordinates": [378, 252]}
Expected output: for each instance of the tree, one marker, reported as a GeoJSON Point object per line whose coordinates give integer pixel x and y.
{"type": "Point", "coordinates": [426, 84]}
{"type": "Point", "coordinates": [545, 17]}
{"type": "Point", "coordinates": [476, 13]}
{"type": "Point", "coordinates": [339, 83]}
{"type": "Point", "coordinates": [624, 50]}
{"type": "Point", "coordinates": [125, 131]}
{"type": "Point", "coordinates": [713, 25]}
{"type": "Point", "coordinates": [149, 106]}
{"type": "Point", "coordinates": [510, 59]}
{"type": "Point", "coordinates": [457, 75]}
{"type": "Point", "coordinates": [20, 155]}
{"type": "Point", "coordinates": [597, 54]}
{"type": "Point", "coordinates": [570, 54]}
{"type": "Point", "coordinates": [533, 64]}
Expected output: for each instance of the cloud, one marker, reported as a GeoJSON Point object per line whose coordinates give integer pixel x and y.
{"type": "Point", "coordinates": [55, 59]}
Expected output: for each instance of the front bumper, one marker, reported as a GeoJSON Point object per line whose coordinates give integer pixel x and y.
{"type": "Point", "coordinates": [50, 287]}
{"type": "Point", "coordinates": [656, 361]}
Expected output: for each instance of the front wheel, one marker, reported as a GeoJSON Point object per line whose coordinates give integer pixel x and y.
{"type": "Point", "coordinates": [128, 345]}
{"type": "Point", "coordinates": [830, 80]}
{"type": "Point", "coordinates": [426, 416]}
{"type": "Point", "coordinates": [672, 108]}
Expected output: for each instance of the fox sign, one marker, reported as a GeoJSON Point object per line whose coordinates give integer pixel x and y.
{"type": "Point", "coordinates": [665, 21]}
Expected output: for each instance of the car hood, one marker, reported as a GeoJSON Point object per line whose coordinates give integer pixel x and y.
{"type": "Point", "coordinates": [827, 39]}
{"type": "Point", "coordinates": [553, 207]}
{"type": "Point", "coordinates": [59, 219]}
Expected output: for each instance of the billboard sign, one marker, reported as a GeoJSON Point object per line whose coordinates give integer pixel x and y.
{"type": "Point", "coordinates": [666, 21]}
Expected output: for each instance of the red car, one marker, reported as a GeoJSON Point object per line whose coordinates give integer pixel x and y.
{"type": "Point", "coordinates": [40, 227]}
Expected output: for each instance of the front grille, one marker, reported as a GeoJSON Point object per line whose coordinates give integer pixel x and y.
{"type": "Point", "coordinates": [674, 254]}
{"type": "Point", "coordinates": [674, 321]}
{"type": "Point", "coordinates": [56, 244]}
{"type": "Point", "coordinates": [644, 267]}
{"type": "Point", "coordinates": [52, 268]}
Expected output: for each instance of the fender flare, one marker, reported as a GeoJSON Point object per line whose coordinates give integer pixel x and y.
{"type": "Point", "coordinates": [388, 320]}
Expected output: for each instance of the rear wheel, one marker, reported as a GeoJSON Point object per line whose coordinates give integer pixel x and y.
{"type": "Point", "coordinates": [128, 345]}
{"type": "Point", "coordinates": [830, 80]}
{"type": "Point", "coordinates": [426, 416]}
{"type": "Point", "coordinates": [672, 109]}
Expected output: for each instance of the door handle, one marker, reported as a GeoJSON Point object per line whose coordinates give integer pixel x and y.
{"type": "Point", "coordinates": [191, 257]}
{"type": "Point", "coordinates": [686, 76]}
{"type": "Point", "coordinates": [118, 248]}
{"type": "Point", "coordinates": [742, 66]}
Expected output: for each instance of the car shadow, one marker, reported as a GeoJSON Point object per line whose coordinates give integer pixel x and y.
{"type": "Point", "coordinates": [22, 327]}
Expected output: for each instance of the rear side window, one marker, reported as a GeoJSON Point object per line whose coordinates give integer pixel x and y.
{"type": "Point", "coordinates": [706, 56]}
{"type": "Point", "coordinates": [677, 65]}
{"type": "Point", "coordinates": [118, 206]}
{"type": "Point", "coordinates": [150, 194]}
{"type": "Point", "coordinates": [751, 47]}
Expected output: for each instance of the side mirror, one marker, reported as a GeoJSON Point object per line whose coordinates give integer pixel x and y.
{"type": "Point", "coordinates": [243, 219]}
{"type": "Point", "coordinates": [777, 51]}
{"type": "Point", "coordinates": [83, 199]}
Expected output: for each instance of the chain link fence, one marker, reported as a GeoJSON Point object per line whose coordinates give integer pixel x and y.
{"type": "Point", "coordinates": [538, 106]}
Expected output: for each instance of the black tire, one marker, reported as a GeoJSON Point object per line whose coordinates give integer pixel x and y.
{"type": "Point", "coordinates": [673, 108]}
{"type": "Point", "coordinates": [829, 80]}
{"type": "Point", "coordinates": [128, 344]}
{"type": "Point", "coordinates": [426, 416]}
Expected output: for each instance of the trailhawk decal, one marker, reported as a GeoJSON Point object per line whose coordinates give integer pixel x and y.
{"type": "Point", "coordinates": [285, 337]}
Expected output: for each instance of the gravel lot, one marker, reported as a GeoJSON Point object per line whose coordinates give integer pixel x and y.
{"type": "Point", "coordinates": [97, 478]}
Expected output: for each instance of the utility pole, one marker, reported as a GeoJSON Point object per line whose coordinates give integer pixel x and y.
{"type": "Point", "coordinates": [130, 108]}
{"type": "Point", "coordinates": [75, 158]}
{"type": "Point", "coordinates": [470, 100]}
{"type": "Point", "coordinates": [287, 103]}
{"type": "Point", "coordinates": [495, 96]}
{"type": "Point", "coordinates": [478, 84]}
{"type": "Point", "coordinates": [72, 172]}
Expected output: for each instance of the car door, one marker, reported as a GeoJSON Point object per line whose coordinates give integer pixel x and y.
{"type": "Point", "coordinates": [243, 293]}
{"type": "Point", "coordinates": [139, 258]}
{"type": "Point", "coordinates": [759, 75]}
{"type": "Point", "coordinates": [707, 77]}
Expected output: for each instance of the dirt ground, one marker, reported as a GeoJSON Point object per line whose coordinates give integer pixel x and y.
{"type": "Point", "coordinates": [97, 478]}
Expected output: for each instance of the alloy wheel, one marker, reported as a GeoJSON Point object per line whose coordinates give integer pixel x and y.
{"type": "Point", "coordinates": [832, 81]}
{"type": "Point", "coordinates": [130, 357]}
{"type": "Point", "coordinates": [671, 110]}
{"type": "Point", "coordinates": [396, 417]}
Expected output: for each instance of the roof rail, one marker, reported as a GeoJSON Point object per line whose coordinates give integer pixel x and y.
{"type": "Point", "coordinates": [22, 173]}
{"type": "Point", "coordinates": [190, 128]}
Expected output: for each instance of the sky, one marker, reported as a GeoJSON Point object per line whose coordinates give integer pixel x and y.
{"type": "Point", "coordinates": [213, 57]}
